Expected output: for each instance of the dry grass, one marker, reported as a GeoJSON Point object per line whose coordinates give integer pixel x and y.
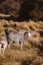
{"type": "Point", "coordinates": [30, 52]}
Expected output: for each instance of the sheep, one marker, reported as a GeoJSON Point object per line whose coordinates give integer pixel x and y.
{"type": "Point", "coordinates": [3, 44]}
{"type": "Point", "coordinates": [17, 37]}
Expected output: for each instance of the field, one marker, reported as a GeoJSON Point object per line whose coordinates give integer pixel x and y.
{"type": "Point", "coordinates": [32, 52]}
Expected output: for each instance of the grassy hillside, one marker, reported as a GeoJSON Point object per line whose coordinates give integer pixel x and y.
{"type": "Point", "coordinates": [32, 52]}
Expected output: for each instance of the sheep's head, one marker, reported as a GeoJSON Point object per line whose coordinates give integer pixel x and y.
{"type": "Point", "coordinates": [29, 34]}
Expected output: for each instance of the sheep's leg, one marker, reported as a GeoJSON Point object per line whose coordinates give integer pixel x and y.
{"type": "Point", "coordinates": [4, 48]}
{"type": "Point", "coordinates": [9, 44]}
{"type": "Point", "coordinates": [21, 44]}
{"type": "Point", "coordinates": [0, 48]}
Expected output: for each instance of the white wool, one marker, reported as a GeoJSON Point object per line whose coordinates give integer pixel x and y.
{"type": "Point", "coordinates": [3, 42]}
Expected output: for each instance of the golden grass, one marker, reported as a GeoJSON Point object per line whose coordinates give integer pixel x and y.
{"type": "Point", "coordinates": [15, 56]}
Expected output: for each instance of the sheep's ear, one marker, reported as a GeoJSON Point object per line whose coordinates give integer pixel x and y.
{"type": "Point", "coordinates": [29, 34]}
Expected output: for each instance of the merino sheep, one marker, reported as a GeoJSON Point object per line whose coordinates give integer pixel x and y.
{"type": "Point", "coordinates": [17, 37]}
{"type": "Point", "coordinates": [3, 44]}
